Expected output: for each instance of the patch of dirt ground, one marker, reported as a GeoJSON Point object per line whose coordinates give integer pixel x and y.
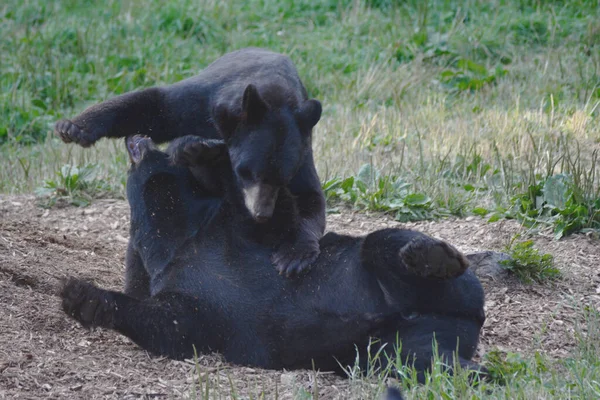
{"type": "Point", "coordinates": [44, 354]}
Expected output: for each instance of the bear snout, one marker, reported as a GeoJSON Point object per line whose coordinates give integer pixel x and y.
{"type": "Point", "coordinates": [260, 201]}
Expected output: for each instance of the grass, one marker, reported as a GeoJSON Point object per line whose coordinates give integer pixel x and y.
{"type": "Point", "coordinates": [470, 103]}
{"type": "Point", "coordinates": [512, 376]}
{"type": "Point", "coordinates": [371, 191]}
{"type": "Point", "coordinates": [77, 186]}
{"type": "Point", "coordinates": [431, 109]}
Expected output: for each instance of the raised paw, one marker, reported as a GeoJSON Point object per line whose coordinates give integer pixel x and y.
{"type": "Point", "coordinates": [137, 147]}
{"type": "Point", "coordinates": [296, 258]}
{"type": "Point", "coordinates": [86, 303]}
{"type": "Point", "coordinates": [427, 257]}
{"type": "Point", "coordinates": [193, 151]}
{"type": "Point", "coordinates": [69, 132]}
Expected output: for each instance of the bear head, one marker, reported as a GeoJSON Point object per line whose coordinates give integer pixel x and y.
{"type": "Point", "coordinates": [266, 145]}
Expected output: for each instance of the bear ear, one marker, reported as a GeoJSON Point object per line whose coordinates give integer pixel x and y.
{"type": "Point", "coordinates": [308, 115]}
{"type": "Point", "coordinates": [225, 120]}
{"type": "Point", "coordinates": [254, 107]}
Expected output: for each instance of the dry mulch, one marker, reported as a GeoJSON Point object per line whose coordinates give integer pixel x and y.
{"type": "Point", "coordinates": [44, 354]}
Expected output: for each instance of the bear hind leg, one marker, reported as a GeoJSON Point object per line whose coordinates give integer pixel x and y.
{"type": "Point", "coordinates": [397, 254]}
{"type": "Point", "coordinates": [428, 257]}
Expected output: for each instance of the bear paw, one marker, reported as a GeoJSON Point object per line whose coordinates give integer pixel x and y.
{"type": "Point", "coordinates": [138, 146]}
{"type": "Point", "coordinates": [294, 259]}
{"type": "Point", "coordinates": [427, 257]}
{"type": "Point", "coordinates": [69, 132]}
{"type": "Point", "coordinates": [86, 303]}
{"type": "Point", "coordinates": [198, 151]}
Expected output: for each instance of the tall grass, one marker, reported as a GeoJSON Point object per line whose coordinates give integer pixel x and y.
{"type": "Point", "coordinates": [471, 103]}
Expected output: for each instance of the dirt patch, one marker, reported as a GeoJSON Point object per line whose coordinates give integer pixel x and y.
{"type": "Point", "coordinates": [43, 354]}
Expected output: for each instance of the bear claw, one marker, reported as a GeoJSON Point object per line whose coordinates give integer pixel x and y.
{"type": "Point", "coordinates": [69, 132]}
{"type": "Point", "coordinates": [289, 261]}
{"type": "Point", "coordinates": [85, 303]}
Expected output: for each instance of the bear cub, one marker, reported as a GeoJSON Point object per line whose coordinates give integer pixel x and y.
{"type": "Point", "coordinates": [255, 101]}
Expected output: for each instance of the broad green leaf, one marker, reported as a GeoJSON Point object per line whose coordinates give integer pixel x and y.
{"type": "Point", "coordinates": [39, 103]}
{"type": "Point", "coordinates": [367, 174]}
{"type": "Point", "coordinates": [347, 184]}
{"type": "Point", "coordinates": [416, 199]}
{"type": "Point", "coordinates": [556, 191]}
{"type": "Point", "coordinates": [480, 211]}
{"type": "Point", "coordinates": [362, 187]}
{"type": "Point", "coordinates": [495, 217]}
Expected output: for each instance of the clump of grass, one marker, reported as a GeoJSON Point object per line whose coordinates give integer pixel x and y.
{"type": "Point", "coordinates": [557, 201]}
{"type": "Point", "coordinates": [74, 185]}
{"type": "Point", "coordinates": [504, 367]}
{"type": "Point", "coordinates": [468, 75]}
{"type": "Point", "coordinates": [559, 187]}
{"type": "Point", "coordinates": [512, 375]}
{"type": "Point", "coordinates": [528, 264]}
{"type": "Point", "coordinates": [369, 190]}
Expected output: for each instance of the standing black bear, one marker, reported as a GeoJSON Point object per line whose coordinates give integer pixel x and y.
{"type": "Point", "coordinates": [209, 283]}
{"type": "Point", "coordinates": [255, 100]}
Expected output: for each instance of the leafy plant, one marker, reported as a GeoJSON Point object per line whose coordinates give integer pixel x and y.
{"type": "Point", "coordinates": [368, 190]}
{"type": "Point", "coordinates": [504, 367]}
{"type": "Point", "coordinates": [556, 201]}
{"type": "Point", "coordinates": [433, 46]}
{"type": "Point", "coordinates": [530, 31]}
{"type": "Point", "coordinates": [528, 264]}
{"type": "Point", "coordinates": [76, 185]}
{"type": "Point", "coordinates": [470, 76]}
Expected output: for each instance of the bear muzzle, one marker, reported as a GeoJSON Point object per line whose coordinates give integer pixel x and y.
{"type": "Point", "coordinates": [260, 201]}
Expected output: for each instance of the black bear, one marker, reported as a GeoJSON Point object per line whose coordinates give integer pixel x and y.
{"type": "Point", "coordinates": [201, 277]}
{"type": "Point", "coordinates": [254, 99]}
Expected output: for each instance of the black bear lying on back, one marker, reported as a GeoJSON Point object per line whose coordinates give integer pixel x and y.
{"type": "Point", "coordinates": [252, 98]}
{"type": "Point", "coordinates": [199, 275]}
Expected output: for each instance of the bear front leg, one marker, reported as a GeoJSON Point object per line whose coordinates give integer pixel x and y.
{"type": "Point", "coordinates": [296, 254]}
{"type": "Point", "coordinates": [191, 150]}
{"type": "Point", "coordinates": [207, 160]}
{"type": "Point", "coordinates": [142, 112]}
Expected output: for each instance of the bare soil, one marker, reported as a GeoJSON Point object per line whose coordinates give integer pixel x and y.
{"type": "Point", "coordinates": [44, 354]}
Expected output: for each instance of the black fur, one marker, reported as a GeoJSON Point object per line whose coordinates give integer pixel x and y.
{"type": "Point", "coordinates": [393, 393]}
{"type": "Point", "coordinates": [211, 284]}
{"type": "Point", "coordinates": [255, 100]}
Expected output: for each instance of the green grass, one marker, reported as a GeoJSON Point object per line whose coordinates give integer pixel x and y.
{"type": "Point", "coordinates": [470, 103]}
{"type": "Point", "coordinates": [512, 376]}
{"type": "Point", "coordinates": [77, 186]}
{"type": "Point", "coordinates": [431, 108]}
{"type": "Point", "coordinates": [371, 191]}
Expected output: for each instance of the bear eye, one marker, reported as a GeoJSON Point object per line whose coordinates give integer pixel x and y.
{"type": "Point", "coordinates": [244, 173]}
